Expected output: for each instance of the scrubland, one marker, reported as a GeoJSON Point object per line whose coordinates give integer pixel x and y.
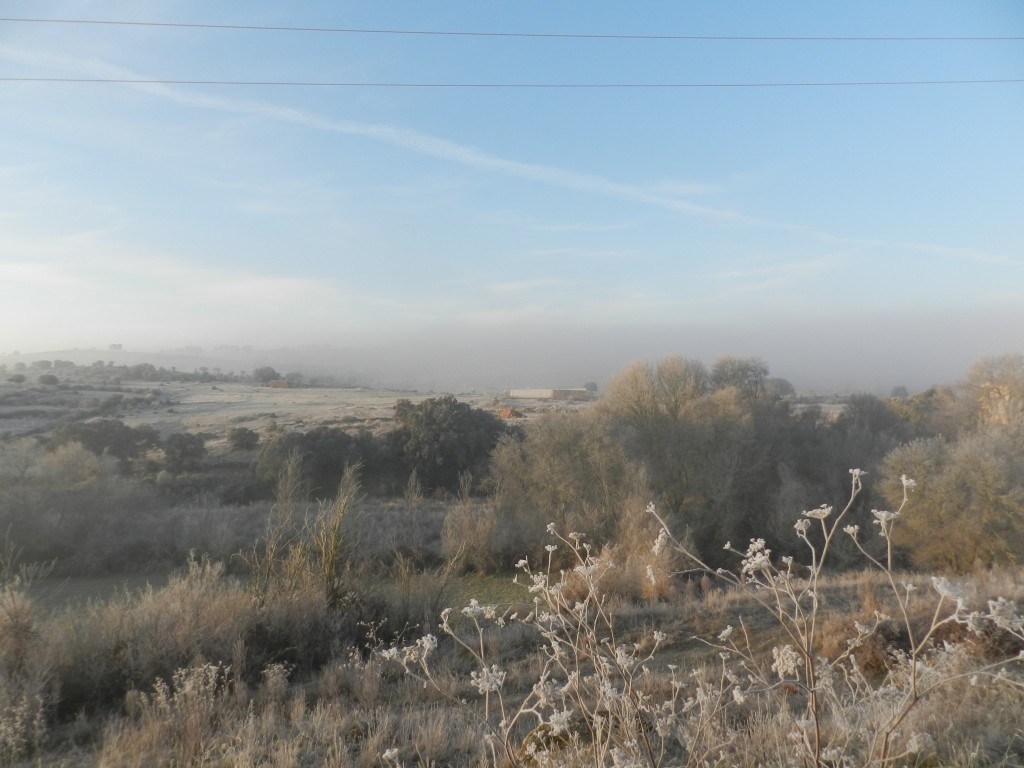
{"type": "Point", "coordinates": [686, 572]}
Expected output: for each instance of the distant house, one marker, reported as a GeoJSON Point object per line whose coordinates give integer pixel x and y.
{"type": "Point", "coordinates": [550, 394]}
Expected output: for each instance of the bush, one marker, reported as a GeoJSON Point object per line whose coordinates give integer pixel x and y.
{"type": "Point", "coordinates": [106, 436]}
{"type": "Point", "coordinates": [27, 692]}
{"type": "Point", "coordinates": [442, 439]}
{"type": "Point", "coordinates": [243, 438]}
{"type": "Point", "coordinates": [973, 487]}
{"type": "Point", "coordinates": [265, 375]}
{"type": "Point", "coordinates": [183, 451]}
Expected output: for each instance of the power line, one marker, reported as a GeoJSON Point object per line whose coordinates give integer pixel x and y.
{"type": "Point", "coordinates": [534, 35]}
{"type": "Point", "coordinates": [481, 86]}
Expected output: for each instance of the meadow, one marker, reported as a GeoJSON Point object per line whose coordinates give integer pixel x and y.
{"type": "Point", "coordinates": [557, 600]}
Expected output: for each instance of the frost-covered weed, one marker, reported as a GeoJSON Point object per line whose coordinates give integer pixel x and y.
{"type": "Point", "coordinates": [601, 700]}
{"type": "Point", "coordinates": [26, 685]}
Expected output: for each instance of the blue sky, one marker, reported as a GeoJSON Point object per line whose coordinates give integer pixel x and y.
{"type": "Point", "coordinates": [852, 236]}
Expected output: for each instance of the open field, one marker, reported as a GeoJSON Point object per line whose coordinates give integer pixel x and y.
{"type": "Point", "coordinates": [175, 406]}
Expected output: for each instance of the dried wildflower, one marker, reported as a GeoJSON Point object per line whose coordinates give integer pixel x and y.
{"type": "Point", "coordinates": [832, 755]}
{"type": "Point", "coordinates": [819, 513]}
{"type": "Point", "coordinates": [757, 557]}
{"type": "Point", "coordinates": [725, 634]}
{"type": "Point", "coordinates": [851, 530]}
{"type": "Point", "coordinates": [624, 657]}
{"type": "Point", "coordinates": [488, 680]}
{"type": "Point", "coordinates": [946, 589]}
{"type": "Point", "coordinates": [882, 516]}
{"type": "Point", "coordinates": [884, 520]}
{"type": "Point", "coordinates": [920, 744]}
{"type": "Point", "coordinates": [787, 661]}
{"type": "Point", "coordinates": [1003, 614]}
{"type": "Point", "coordinates": [802, 526]}
{"type": "Point", "coordinates": [622, 760]}
{"type": "Point", "coordinates": [737, 696]}
{"type": "Point", "coordinates": [560, 721]}
{"type": "Point", "coordinates": [545, 690]}
{"type": "Point", "coordinates": [660, 542]}
{"type": "Point", "coordinates": [907, 482]}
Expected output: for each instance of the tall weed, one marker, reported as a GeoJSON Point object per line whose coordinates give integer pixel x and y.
{"type": "Point", "coordinates": [603, 697]}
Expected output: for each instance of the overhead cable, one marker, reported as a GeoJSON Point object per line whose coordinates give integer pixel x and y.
{"type": "Point", "coordinates": [582, 86]}
{"type": "Point", "coordinates": [535, 35]}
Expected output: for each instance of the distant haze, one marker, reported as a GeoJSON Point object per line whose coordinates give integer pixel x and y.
{"type": "Point", "coordinates": [833, 187]}
{"type": "Point", "coordinates": [873, 354]}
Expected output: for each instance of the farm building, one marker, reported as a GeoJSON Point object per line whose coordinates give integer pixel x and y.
{"type": "Point", "coordinates": [549, 394]}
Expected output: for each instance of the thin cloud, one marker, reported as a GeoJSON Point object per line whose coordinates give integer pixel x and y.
{"type": "Point", "coordinates": [951, 252]}
{"type": "Point", "coordinates": [786, 269]}
{"type": "Point", "coordinates": [661, 195]}
{"type": "Point", "coordinates": [521, 286]}
{"type": "Point", "coordinates": [688, 189]}
{"type": "Point", "coordinates": [584, 254]}
{"type": "Point", "coordinates": [581, 227]}
{"type": "Point", "coordinates": [405, 138]}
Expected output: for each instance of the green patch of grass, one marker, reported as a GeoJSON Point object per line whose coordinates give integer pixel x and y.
{"type": "Point", "coordinates": [489, 589]}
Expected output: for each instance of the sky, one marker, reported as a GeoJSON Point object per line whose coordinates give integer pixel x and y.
{"type": "Point", "coordinates": [856, 237]}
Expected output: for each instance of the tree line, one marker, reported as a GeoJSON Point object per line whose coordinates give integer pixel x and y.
{"type": "Point", "coordinates": [724, 452]}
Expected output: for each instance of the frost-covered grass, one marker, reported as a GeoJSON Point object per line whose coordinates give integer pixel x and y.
{"type": "Point", "coordinates": [584, 661]}
{"type": "Point", "coordinates": [780, 690]}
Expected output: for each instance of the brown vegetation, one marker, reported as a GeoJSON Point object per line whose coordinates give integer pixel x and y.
{"type": "Point", "coordinates": [269, 647]}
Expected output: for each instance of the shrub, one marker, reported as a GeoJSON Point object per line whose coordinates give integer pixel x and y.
{"type": "Point", "coordinates": [243, 438]}
{"type": "Point", "coordinates": [183, 451]}
{"type": "Point", "coordinates": [102, 436]}
{"type": "Point", "coordinates": [27, 692]}
{"type": "Point", "coordinates": [468, 536]}
{"type": "Point", "coordinates": [441, 439]}
{"type": "Point", "coordinates": [972, 485]}
{"type": "Point", "coordinates": [569, 468]}
{"type": "Point", "coordinates": [27, 689]}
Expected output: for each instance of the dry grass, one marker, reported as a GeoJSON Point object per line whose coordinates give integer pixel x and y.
{"type": "Point", "coordinates": [198, 672]}
{"type": "Point", "coordinates": [179, 678]}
